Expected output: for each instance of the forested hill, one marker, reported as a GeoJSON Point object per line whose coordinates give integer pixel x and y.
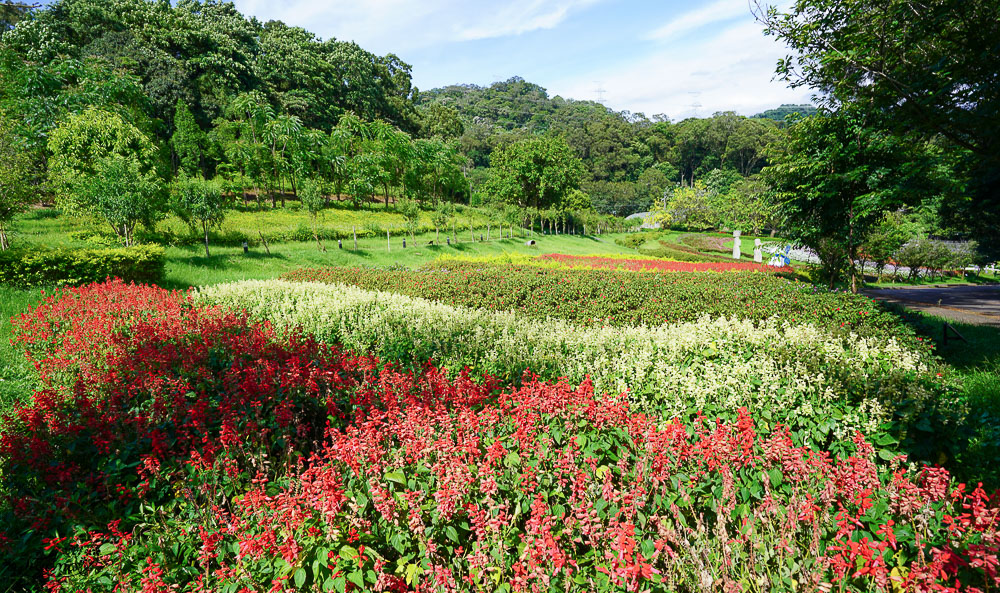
{"type": "Point", "coordinates": [209, 91]}
{"type": "Point", "coordinates": [511, 104]}
{"type": "Point", "coordinates": [780, 113]}
{"type": "Point", "coordinates": [629, 159]}
{"type": "Point", "coordinates": [142, 57]}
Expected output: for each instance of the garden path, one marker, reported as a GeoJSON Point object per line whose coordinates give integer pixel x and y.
{"type": "Point", "coordinates": [979, 305]}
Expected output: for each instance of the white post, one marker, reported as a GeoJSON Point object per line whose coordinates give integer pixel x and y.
{"type": "Point", "coordinates": [354, 230]}
{"type": "Point", "coordinates": [388, 244]}
{"type": "Point", "coordinates": [736, 244]}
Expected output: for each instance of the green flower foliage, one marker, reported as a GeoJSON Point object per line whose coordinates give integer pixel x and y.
{"type": "Point", "coordinates": [623, 298]}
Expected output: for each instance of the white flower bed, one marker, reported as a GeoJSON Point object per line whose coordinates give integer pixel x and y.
{"type": "Point", "coordinates": [712, 364]}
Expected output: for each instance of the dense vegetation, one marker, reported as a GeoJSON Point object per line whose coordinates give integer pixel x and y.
{"type": "Point", "coordinates": [493, 421]}
{"type": "Point", "coordinates": [195, 468]}
{"type": "Point", "coordinates": [619, 297]}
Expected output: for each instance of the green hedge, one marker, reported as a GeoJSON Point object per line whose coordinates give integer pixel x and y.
{"type": "Point", "coordinates": [46, 267]}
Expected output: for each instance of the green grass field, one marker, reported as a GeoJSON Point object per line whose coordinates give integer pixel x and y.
{"type": "Point", "coordinates": [16, 375]}
{"type": "Point", "coordinates": [188, 266]}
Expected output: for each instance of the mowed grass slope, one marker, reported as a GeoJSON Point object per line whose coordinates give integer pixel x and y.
{"type": "Point", "coordinates": [16, 374]}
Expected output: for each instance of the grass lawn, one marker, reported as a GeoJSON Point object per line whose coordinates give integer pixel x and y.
{"type": "Point", "coordinates": [188, 266]}
{"type": "Point", "coordinates": [969, 278]}
{"type": "Point", "coordinates": [16, 375]}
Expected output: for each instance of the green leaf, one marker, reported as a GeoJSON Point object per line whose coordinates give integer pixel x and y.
{"type": "Point", "coordinates": [512, 459]}
{"type": "Point", "coordinates": [396, 477]}
{"type": "Point", "coordinates": [357, 578]}
{"type": "Point", "coordinates": [300, 577]}
{"type": "Point", "coordinates": [348, 553]}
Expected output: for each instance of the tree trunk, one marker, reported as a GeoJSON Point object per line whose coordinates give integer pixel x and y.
{"type": "Point", "coordinates": [204, 227]}
{"type": "Point", "coordinates": [264, 242]}
{"type": "Point", "coordinates": [319, 244]}
{"type": "Point", "coordinates": [3, 237]}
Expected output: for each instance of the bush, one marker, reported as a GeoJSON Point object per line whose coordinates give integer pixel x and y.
{"type": "Point", "coordinates": [818, 384]}
{"type": "Point", "coordinates": [620, 297]}
{"type": "Point", "coordinates": [49, 267]}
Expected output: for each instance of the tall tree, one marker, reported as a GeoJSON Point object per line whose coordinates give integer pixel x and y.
{"type": "Point", "coordinates": [536, 172]}
{"type": "Point", "coordinates": [187, 141]}
{"type": "Point", "coordinates": [83, 140]}
{"type": "Point", "coordinates": [928, 66]}
{"type": "Point", "coordinates": [836, 176]}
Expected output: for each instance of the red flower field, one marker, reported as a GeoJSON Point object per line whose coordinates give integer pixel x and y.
{"type": "Point", "coordinates": [184, 448]}
{"type": "Point", "coordinates": [654, 265]}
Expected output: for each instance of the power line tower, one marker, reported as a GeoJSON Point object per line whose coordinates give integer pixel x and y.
{"type": "Point", "coordinates": [600, 92]}
{"type": "Point", "coordinates": [695, 103]}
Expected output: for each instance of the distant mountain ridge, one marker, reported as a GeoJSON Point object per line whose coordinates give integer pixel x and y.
{"type": "Point", "coordinates": [780, 113]}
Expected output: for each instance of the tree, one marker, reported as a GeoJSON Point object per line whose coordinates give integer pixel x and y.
{"type": "Point", "coordinates": [836, 176]}
{"type": "Point", "coordinates": [13, 12]}
{"type": "Point", "coordinates": [753, 207]}
{"type": "Point", "coordinates": [313, 199]}
{"type": "Point", "coordinates": [886, 238]}
{"type": "Point", "coordinates": [926, 67]}
{"type": "Point", "coordinates": [537, 172]}
{"type": "Point", "coordinates": [441, 121]}
{"type": "Point", "coordinates": [410, 210]}
{"type": "Point", "coordinates": [17, 190]}
{"type": "Point", "coordinates": [201, 202]}
{"type": "Point", "coordinates": [84, 140]}
{"type": "Point", "coordinates": [692, 207]}
{"type": "Point", "coordinates": [122, 193]}
{"type": "Point", "coordinates": [440, 218]}
{"type": "Point", "coordinates": [187, 140]}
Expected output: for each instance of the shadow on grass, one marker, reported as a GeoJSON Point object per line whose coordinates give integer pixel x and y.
{"type": "Point", "coordinates": [225, 260]}
{"type": "Point", "coordinates": [976, 363]}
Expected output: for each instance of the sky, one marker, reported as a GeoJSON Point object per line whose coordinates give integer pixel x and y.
{"type": "Point", "coordinates": [652, 56]}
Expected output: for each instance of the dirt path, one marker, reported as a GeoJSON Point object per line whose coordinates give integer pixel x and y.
{"type": "Point", "coordinates": [978, 305]}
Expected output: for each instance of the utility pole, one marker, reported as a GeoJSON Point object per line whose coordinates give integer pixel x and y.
{"type": "Point", "coordinates": [600, 92]}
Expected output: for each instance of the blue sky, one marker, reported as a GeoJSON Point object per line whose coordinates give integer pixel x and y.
{"type": "Point", "coordinates": [652, 56]}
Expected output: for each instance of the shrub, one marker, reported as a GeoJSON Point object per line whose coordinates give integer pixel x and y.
{"type": "Point", "coordinates": [614, 263]}
{"type": "Point", "coordinates": [817, 383]}
{"type": "Point", "coordinates": [621, 298]}
{"type": "Point", "coordinates": [48, 267]}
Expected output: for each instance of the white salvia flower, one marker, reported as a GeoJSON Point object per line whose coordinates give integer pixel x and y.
{"type": "Point", "coordinates": [677, 368]}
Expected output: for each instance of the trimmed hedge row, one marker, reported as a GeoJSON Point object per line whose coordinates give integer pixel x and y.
{"type": "Point", "coordinates": [47, 267]}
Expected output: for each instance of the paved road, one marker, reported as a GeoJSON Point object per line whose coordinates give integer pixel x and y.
{"type": "Point", "coordinates": [968, 304]}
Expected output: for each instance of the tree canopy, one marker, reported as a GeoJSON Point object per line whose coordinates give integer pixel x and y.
{"type": "Point", "coordinates": [927, 67]}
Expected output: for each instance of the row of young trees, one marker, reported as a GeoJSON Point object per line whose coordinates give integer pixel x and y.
{"type": "Point", "coordinates": [268, 152]}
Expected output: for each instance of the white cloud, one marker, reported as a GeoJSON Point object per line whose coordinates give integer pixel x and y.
{"type": "Point", "coordinates": [731, 69]}
{"type": "Point", "coordinates": [402, 25]}
{"type": "Point", "coordinates": [721, 10]}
